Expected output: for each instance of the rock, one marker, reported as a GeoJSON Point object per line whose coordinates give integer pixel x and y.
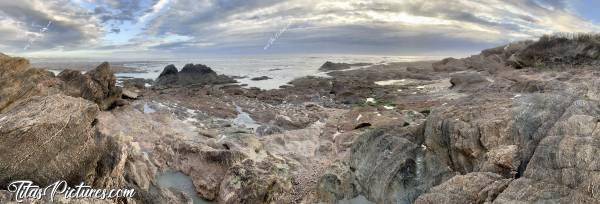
{"type": "Point", "coordinates": [127, 94]}
{"type": "Point", "coordinates": [268, 130]}
{"type": "Point", "coordinates": [46, 139]}
{"type": "Point", "coordinates": [331, 66]}
{"type": "Point", "coordinates": [18, 82]}
{"type": "Point", "coordinates": [98, 85]}
{"type": "Point", "coordinates": [477, 187]}
{"type": "Point", "coordinates": [391, 166]}
{"type": "Point", "coordinates": [449, 65]}
{"type": "Point", "coordinates": [558, 51]}
{"type": "Point", "coordinates": [468, 81]}
{"type": "Point", "coordinates": [525, 190]}
{"type": "Point", "coordinates": [260, 78]}
{"type": "Point", "coordinates": [336, 184]}
{"type": "Point", "coordinates": [137, 83]}
{"type": "Point", "coordinates": [190, 74]}
{"type": "Point", "coordinates": [168, 76]}
{"type": "Point", "coordinates": [250, 182]}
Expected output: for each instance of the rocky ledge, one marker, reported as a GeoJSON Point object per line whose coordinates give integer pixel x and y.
{"type": "Point", "coordinates": [482, 129]}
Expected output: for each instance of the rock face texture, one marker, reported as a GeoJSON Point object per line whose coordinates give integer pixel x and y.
{"type": "Point", "coordinates": [468, 82]}
{"type": "Point", "coordinates": [190, 74]}
{"type": "Point", "coordinates": [98, 85]}
{"type": "Point", "coordinates": [558, 50]}
{"type": "Point", "coordinates": [49, 138]}
{"type": "Point", "coordinates": [18, 82]}
{"type": "Point", "coordinates": [475, 187]}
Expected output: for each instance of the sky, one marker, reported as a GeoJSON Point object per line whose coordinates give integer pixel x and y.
{"type": "Point", "coordinates": [190, 28]}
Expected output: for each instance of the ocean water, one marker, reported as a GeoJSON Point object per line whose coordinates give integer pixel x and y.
{"type": "Point", "coordinates": [182, 183]}
{"type": "Point", "coordinates": [281, 69]}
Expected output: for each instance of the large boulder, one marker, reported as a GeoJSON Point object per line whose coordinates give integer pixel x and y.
{"type": "Point", "coordinates": [18, 82]}
{"type": "Point", "coordinates": [468, 81]}
{"type": "Point", "coordinates": [190, 74]}
{"type": "Point", "coordinates": [45, 139]}
{"type": "Point", "coordinates": [392, 167]}
{"type": "Point", "coordinates": [97, 85]}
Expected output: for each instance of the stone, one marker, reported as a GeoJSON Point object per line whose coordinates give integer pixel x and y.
{"type": "Point", "coordinates": [190, 74]}
{"type": "Point", "coordinates": [97, 85]}
{"type": "Point", "coordinates": [18, 82]}
{"type": "Point", "coordinates": [332, 66]}
{"type": "Point", "coordinates": [50, 138]}
{"type": "Point", "coordinates": [468, 81]}
{"type": "Point", "coordinates": [476, 187]}
{"type": "Point", "coordinates": [128, 94]}
{"type": "Point", "coordinates": [260, 78]}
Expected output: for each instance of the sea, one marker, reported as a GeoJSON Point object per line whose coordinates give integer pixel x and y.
{"type": "Point", "coordinates": [281, 69]}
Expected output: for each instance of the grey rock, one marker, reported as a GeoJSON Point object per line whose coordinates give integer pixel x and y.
{"type": "Point", "coordinates": [468, 81]}
{"type": "Point", "coordinates": [46, 139]}
{"type": "Point", "coordinates": [97, 85]}
{"type": "Point", "coordinates": [190, 74]}
{"type": "Point", "coordinates": [261, 78]}
{"type": "Point", "coordinates": [332, 66]}
{"type": "Point", "coordinates": [128, 94]}
{"type": "Point", "coordinates": [476, 187]}
{"type": "Point", "coordinates": [18, 82]}
{"type": "Point", "coordinates": [392, 167]}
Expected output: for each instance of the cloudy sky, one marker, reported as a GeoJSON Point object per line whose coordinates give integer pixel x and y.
{"type": "Point", "coordinates": [189, 28]}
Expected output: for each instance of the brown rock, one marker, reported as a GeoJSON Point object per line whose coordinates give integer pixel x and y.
{"type": "Point", "coordinates": [45, 139]}
{"type": "Point", "coordinates": [19, 82]}
{"type": "Point", "coordinates": [98, 85]}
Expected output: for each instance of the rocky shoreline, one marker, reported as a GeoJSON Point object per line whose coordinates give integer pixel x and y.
{"type": "Point", "coordinates": [497, 127]}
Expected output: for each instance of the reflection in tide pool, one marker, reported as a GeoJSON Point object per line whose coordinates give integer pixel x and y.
{"type": "Point", "coordinates": [148, 109]}
{"type": "Point", "coordinates": [357, 200]}
{"type": "Point", "coordinates": [181, 182]}
{"type": "Point", "coordinates": [244, 120]}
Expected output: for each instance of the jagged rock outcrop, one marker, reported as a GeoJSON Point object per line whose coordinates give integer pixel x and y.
{"type": "Point", "coordinates": [44, 139]}
{"type": "Point", "coordinates": [332, 66]}
{"type": "Point", "coordinates": [566, 50]}
{"type": "Point", "coordinates": [97, 85]}
{"type": "Point", "coordinates": [190, 74]}
{"type": "Point", "coordinates": [18, 82]}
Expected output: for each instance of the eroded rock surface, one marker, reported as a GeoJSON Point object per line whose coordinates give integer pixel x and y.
{"type": "Point", "coordinates": [55, 139]}
{"type": "Point", "coordinates": [97, 85]}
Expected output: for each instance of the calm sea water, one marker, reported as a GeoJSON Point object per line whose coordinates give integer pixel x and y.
{"type": "Point", "coordinates": [281, 69]}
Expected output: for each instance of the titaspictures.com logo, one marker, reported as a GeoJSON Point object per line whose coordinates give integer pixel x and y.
{"type": "Point", "coordinates": [23, 190]}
